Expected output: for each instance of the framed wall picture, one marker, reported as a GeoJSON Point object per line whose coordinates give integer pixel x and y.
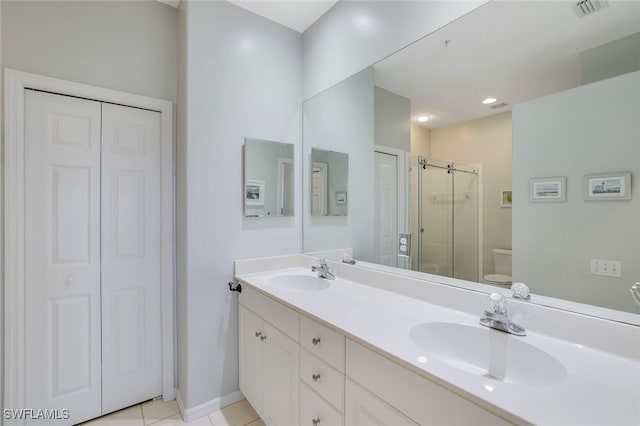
{"type": "Point", "coordinates": [254, 192]}
{"type": "Point", "coordinates": [549, 189]}
{"type": "Point", "coordinates": [607, 186]}
{"type": "Point", "coordinates": [506, 198]}
{"type": "Point", "coordinates": [341, 198]}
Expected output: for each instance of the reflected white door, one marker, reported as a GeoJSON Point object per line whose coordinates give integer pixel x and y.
{"type": "Point", "coordinates": [131, 231]}
{"type": "Point", "coordinates": [319, 178]}
{"type": "Point", "coordinates": [62, 262]}
{"type": "Point", "coordinates": [386, 208]}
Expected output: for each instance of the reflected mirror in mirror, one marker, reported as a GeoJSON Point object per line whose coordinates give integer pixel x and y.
{"type": "Point", "coordinates": [565, 104]}
{"type": "Point", "coordinates": [268, 178]}
{"type": "Point", "coordinates": [329, 179]}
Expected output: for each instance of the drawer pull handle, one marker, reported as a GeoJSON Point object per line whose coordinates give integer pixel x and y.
{"type": "Point", "coordinates": [315, 341]}
{"type": "Point", "coordinates": [315, 421]}
{"type": "Point", "coordinates": [258, 333]}
{"type": "Point", "coordinates": [263, 338]}
{"type": "Point", "coordinates": [315, 377]}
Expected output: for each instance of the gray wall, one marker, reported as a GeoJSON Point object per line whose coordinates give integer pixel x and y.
{"type": "Point", "coordinates": [617, 57]}
{"type": "Point", "coordinates": [341, 119]}
{"type": "Point", "coordinates": [356, 34]}
{"type": "Point", "coordinates": [593, 128]}
{"type": "Point", "coordinates": [129, 46]}
{"type": "Point", "coordinates": [392, 119]}
{"type": "Point", "coordinates": [242, 78]}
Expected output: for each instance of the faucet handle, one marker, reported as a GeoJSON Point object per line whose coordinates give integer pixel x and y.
{"type": "Point", "coordinates": [497, 303]}
{"type": "Point", "coordinates": [323, 262]}
{"type": "Point", "coordinates": [520, 291]}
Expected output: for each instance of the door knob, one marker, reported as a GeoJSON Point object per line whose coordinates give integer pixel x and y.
{"type": "Point", "coordinates": [71, 279]}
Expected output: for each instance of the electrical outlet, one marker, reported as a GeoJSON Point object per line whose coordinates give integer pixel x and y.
{"type": "Point", "coordinates": [404, 244]}
{"type": "Point", "coordinates": [607, 268]}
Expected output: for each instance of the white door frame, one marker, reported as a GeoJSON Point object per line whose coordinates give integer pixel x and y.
{"type": "Point", "coordinates": [281, 163]}
{"type": "Point", "coordinates": [15, 84]}
{"type": "Point", "coordinates": [401, 179]}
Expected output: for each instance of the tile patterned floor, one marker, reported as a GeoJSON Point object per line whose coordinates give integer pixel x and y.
{"type": "Point", "coordinates": [161, 413]}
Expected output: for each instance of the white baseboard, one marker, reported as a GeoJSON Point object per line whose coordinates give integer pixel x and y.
{"type": "Point", "coordinates": [190, 414]}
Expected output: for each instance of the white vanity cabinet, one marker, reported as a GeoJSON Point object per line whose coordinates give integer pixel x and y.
{"type": "Point", "coordinates": [295, 370]}
{"type": "Point", "coordinates": [269, 365]}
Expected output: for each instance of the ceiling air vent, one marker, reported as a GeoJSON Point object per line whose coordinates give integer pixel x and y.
{"type": "Point", "coordinates": [498, 106]}
{"type": "Point", "coordinates": [588, 7]}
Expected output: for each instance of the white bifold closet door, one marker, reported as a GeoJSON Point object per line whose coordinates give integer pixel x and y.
{"type": "Point", "coordinates": [131, 230]}
{"type": "Point", "coordinates": [92, 310]}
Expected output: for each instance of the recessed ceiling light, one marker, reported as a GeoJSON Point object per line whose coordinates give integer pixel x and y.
{"type": "Point", "coordinates": [489, 101]}
{"type": "Point", "coordinates": [422, 118]}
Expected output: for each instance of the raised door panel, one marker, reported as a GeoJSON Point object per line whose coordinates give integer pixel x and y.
{"type": "Point", "coordinates": [62, 265]}
{"type": "Point", "coordinates": [281, 361]}
{"type": "Point", "coordinates": [250, 329]}
{"type": "Point", "coordinates": [131, 240]}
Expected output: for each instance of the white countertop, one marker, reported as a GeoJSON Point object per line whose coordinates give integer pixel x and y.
{"type": "Point", "coordinates": [600, 388]}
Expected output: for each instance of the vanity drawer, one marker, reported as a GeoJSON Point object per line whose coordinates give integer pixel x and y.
{"type": "Point", "coordinates": [315, 411]}
{"type": "Point", "coordinates": [281, 317]}
{"type": "Point", "coordinates": [365, 409]}
{"type": "Point", "coordinates": [323, 379]}
{"type": "Point", "coordinates": [323, 342]}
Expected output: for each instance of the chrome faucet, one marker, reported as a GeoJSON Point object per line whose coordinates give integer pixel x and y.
{"type": "Point", "coordinates": [323, 270]}
{"type": "Point", "coordinates": [497, 317]}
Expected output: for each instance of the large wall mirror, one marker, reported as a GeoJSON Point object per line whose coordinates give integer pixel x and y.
{"type": "Point", "coordinates": [268, 178]}
{"type": "Point", "coordinates": [561, 99]}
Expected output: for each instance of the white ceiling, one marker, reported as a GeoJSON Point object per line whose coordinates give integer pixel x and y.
{"type": "Point", "coordinates": [512, 51]}
{"type": "Point", "coordinates": [295, 14]}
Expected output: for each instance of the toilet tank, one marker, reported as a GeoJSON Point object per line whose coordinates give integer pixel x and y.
{"type": "Point", "coordinates": [502, 261]}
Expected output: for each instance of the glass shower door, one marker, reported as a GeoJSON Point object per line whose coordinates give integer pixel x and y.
{"type": "Point", "coordinates": [465, 222]}
{"type": "Point", "coordinates": [435, 219]}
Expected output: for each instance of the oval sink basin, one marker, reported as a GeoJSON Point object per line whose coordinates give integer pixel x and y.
{"type": "Point", "coordinates": [299, 282]}
{"type": "Point", "coordinates": [489, 353]}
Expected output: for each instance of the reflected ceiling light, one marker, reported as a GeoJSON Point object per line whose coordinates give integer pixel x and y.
{"type": "Point", "coordinates": [489, 101]}
{"type": "Point", "coordinates": [423, 359]}
{"type": "Point", "coordinates": [422, 118]}
{"type": "Point", "coordinates": [489, 387]}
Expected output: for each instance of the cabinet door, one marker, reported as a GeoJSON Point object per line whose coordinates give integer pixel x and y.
{"type": "Point", "coordinates": [364, 409]}
{"type": "Point", "coordinates": [281, 360]}
{"type": "Point", "coordinates": [251, 357]}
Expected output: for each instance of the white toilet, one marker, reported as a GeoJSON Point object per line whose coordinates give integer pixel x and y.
{"type": "Point", "coordinates": [501, 267]}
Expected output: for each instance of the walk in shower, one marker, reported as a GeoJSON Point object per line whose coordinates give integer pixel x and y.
{"type": "Point", "coordinates": [445, 218]}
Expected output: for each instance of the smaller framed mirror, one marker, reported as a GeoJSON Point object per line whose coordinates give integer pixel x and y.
{"type": "Point", "coordinates": [268, 178]}
{"type": "Point", "coordinates": [329, 181]}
